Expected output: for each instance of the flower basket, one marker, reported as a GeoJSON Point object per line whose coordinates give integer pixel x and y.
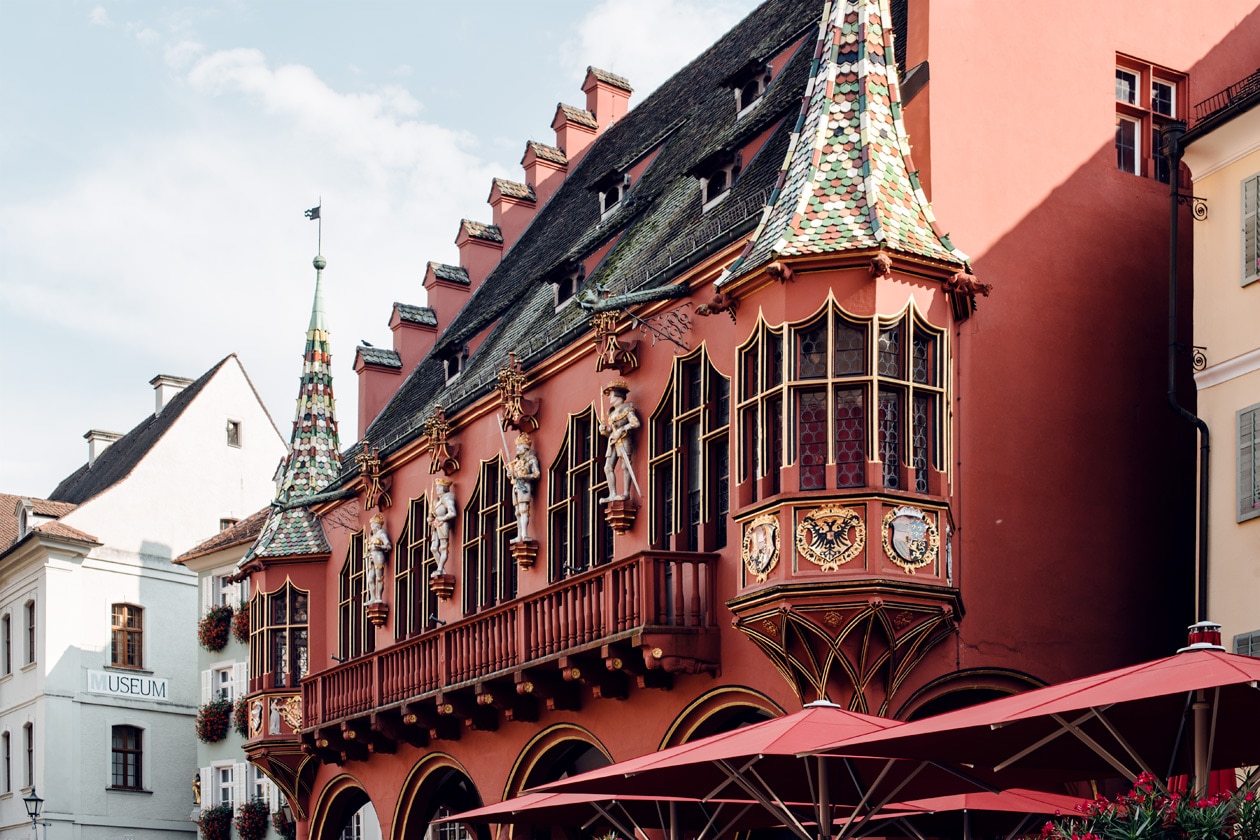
{"type": "Point", "coordinates": [215, 822]}
{"type": "Point", "coordinates": [240, 718]}
{"type": "Point", "coordinates": [214, 629]}
{"type": "Point", "coordinates": [251, 819]}
{"type": "Point", "coordinates": [213, 720]}
{"type": "Point", "coordinates": [287, 829]}
{"type": "Point", "coordinates": [240, 624]}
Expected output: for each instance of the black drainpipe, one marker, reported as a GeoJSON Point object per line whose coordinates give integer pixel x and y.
{"type": "Point", "coordinates": [1171, 137]}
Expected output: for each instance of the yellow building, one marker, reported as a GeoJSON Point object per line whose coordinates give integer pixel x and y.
{"type": "Point", "coordinates": [1222, 151]}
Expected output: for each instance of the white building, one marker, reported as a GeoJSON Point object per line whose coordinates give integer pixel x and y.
{"type": "Point", "coordinates": [98, 667]}
{"type": "Point", "coordinates": [226, 777]}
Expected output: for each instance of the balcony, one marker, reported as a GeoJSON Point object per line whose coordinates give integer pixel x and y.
{"type": "Point", "coordinates": [635, 622]}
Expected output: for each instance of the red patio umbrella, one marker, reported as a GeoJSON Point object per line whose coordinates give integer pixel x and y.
{"type": "Point", "coordinates": [1119, 723]}
{"type": "Point", "coordinates": [1007, 812]}
{"type": "Point", "coordinates": [759, 762]}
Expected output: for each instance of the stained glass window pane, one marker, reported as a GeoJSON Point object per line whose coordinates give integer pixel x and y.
{"type": "Point", "coordinates": [889, 422]}
{"type": "Point", "coordinates": [850, 349]}
{"type": "Point", "coordinates": [924, 435]}
{"type": "Point", "coordinates": [890, 351]}
{"type": "Point", "coordinates": [811, 351]}
{"type": "Point", "coordinates": [923, 363]}
{"type": "Point", "coordinates": [850, 437]}
{"type": "Point", "coordinates": [811, 441]}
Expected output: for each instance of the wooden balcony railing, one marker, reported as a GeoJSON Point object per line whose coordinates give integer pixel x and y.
{"type": "Point", "coordinates": [652, 592]}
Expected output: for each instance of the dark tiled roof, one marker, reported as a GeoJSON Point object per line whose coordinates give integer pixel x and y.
{"type": "Point", "coordinates": [515, 189]}
{"type": "Point", "coordinates": [481, 230]}
{"type": "Point", "coordinates": [378, 356]}
{"type": "Point", "coordinates": [117, 462]}
{"type": "Point", "coordinates": [611, 79]}
{"type": "Point", "coordinates": [421, 315]}
{"type": "Point", "coordinates": [449, 273]}
{"type": "Point", "coordinates": [243, 532]}
{"type": "Point", "coordinates": [656, 231]}
{"type": "Point", "coordinates": [581, 116]}
{"type": "Point", "coordinates": [545, 152]}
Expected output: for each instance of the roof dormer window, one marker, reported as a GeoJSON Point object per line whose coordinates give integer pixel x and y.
{"type": "Point", "coordinates": [612, 194]}
{"type": "Point", "coordinates": [453, 362]}
{"type": "Point", "coordinates": [749, 84]}
{"type": "Point", "coordinates": [566, 281]}
{"type": "Point", "coordinates": [717, 175]}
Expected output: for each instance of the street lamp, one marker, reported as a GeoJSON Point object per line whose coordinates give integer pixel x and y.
{"type": "Point", "coordinates": [33, 803]}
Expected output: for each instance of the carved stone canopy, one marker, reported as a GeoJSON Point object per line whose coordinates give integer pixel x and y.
{"type": "Point", "coordinates": [445, 455]}
{"type": "Point", "coordinates": [517, 411]}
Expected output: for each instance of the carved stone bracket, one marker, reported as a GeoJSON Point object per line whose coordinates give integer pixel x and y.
{"type": "Point", "coordinates": [378, 613]}
{"type": "Point", "coordinates": [375, 486]}
{"type": "Point", "coordinates": [621, 514]}
{"type": "Point", "coordinates": [445, 453]}
{"type": "Point", "coordinates": [525, 553]}
{"type": "Point", "coordinates": [442, 586]}
{"type": "Point", "coordinates": [610, 352]}
{"type": "Point", "coordinates": [518, 411]}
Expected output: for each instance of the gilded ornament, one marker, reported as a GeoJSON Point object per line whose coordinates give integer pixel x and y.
{"type": "Point", "coordinates": [761, 546]}
{"type": "Point", "coordinates": [910, 538]}
{"type": "Point", "coordinates": [830, 536]}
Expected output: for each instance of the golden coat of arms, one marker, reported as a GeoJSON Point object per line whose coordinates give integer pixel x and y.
{"type": "Point", "coordinates": [830, 536]}
{"type": "Point", "coordinates": [761, 546]}
{"type": "Point", "coordinates": [910, 538]}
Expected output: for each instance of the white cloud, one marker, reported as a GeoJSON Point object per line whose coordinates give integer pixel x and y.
{"type": "Point", "coordinates": [99, 16]}
{"type": "Point", "coordinates": [648, 40]}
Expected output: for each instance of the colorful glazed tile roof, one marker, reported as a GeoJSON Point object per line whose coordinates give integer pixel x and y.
{"type": "Point", "coordinates": [611, 79]}
{"type": "Point", "coordinates": [424, 315]}
{"type": "Point", "coordinates": [515, 189]}
{"type": "Point", "coordinates": [382, 356]}
{"type": "Point", "coordinates": [545, 152]}
{"type": "Point", "coordinates": [450, 273]}
{"type": "Point", "coordinates": [480, 230]}
{"type": "Point", "coordinates": [314, 457]}
{"type": "Point", "coordinates": [289, 533]}
{"type": "Point", "coordinates": [845, 184]}
{"type": "Point", "coordinates": [581, 116]}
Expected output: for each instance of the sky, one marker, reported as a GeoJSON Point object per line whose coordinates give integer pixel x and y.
{"type": "Point", "coordinates": [156, 159]}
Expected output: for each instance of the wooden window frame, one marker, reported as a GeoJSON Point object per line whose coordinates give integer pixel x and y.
{"type": "Point", "coordinates": [28, 743]}
{"type": "Point", "coordinates": [131, 757]}
{"type": "Point", "coordinates": [355, 636]}
{"type": "Point", "coordinates": [683, 463]}
{"type": "Point", "coordinates": [414, 601]}
{"type": "Point", "coordinates": [279, 637]}
{"type": "Point", "coordinates": [579, 537]}
{"type": "Point", "coordinates": [490, 575]}
{"type": "Point", "coordinates": [1149, 161]}
{"type": "Point", "coordinates": [126, 626]}
{"type": "Point", "coordinates": [31, 637]}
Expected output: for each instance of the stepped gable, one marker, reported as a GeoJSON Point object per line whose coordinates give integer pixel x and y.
{"type": "Point", "coordinates": [122, 456]}
{"type": "Point", "coordinates": [846, 184]}
{"type": "Point", "coordinates": [245, 531]}
{"type": "Point", "coordinates": [658, 226]}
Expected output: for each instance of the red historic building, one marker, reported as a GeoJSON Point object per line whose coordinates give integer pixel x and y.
{"type": "Point", "coordinates": [716, 415]}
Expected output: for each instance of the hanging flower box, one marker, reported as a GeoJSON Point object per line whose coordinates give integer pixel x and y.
{"type": "Point", "coordinates": [240, 718]}
{"type": "Point", "coordinates": [251, 819]}
{"type": "Point", "coordinates": [214, 629]}
{"type": "Point", "coordinates": [215, 822]}
{"type": "Point", "coordinates": [240, 624]}
{"type": "Point", "coordinates": [213, 720]}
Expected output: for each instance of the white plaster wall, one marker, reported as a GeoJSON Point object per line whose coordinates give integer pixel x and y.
{"type": "Point", "coordinates": [191, 478]}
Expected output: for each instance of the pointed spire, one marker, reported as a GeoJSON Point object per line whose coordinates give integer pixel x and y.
{"type": "Point", "coordinates": [846, 183]}
{"type": "Point", "coordinates": [314, 458]}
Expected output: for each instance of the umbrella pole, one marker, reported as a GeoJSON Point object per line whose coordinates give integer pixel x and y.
{"type": "Point", "coordinates": [1200, 743]}
{"type": "Point", "coordinates": [774, 807]}
{"type": "Point", "coordinates": [966, 824]}
{"type": "Point", "coordinates": [617, 824]}
{"type": "Point", "coordinates": [673, 820]}
{"type": "Point", "coordinates": [824, 801]}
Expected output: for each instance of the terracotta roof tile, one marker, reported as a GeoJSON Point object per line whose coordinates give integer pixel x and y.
{"type": "Point", "coordinates": [611, 79]}
{"type": "Point", "coordinates": [549, 153]}
{"type": "Point", "coordinates": [61, 529]}
{"type": "Point", "coordinates": [581, 116]}
{"type": "Point", "coordinates": [243, 532]}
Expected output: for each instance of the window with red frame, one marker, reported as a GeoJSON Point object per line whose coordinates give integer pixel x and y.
{"type": "Point", "coordinates": [1148, 97]}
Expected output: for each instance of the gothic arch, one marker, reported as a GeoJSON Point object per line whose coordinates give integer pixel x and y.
{"type": "Point", "coordinates": [551, 752]}
{"type": "Point", "coordinates": [964, 688]}
{"type": "Point", "coordinates": [337, 801]}
{"type": "Point", "coordinates": [436, 780]}
{"type": "Point", "coordinates": [719, 710]}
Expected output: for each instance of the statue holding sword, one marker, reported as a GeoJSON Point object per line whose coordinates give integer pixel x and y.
{"type": "Point", "coordinates": [620, 421]}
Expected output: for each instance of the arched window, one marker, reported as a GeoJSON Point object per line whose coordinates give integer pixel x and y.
{"type": "Point", "coordinates": [413, 564]}
{"type": "Point", "coordinates": [489, 570]}
{"type": "Point", "coordinates": [850, 391]}
{"type": "Point", "coordinates": [580, 537]}
{"type": "Point", "coordinates": [126, 641]}
{"type": "Point", "coordinates": [278, 640]}
{"type": "Point", "coordinates": [355, 636]}
{"type": "Point", "coordinates": [689, 466]}
{"type": "Point", "coordinates": [127, 758]}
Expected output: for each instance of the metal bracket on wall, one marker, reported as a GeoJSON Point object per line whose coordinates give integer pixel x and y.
{"type": "Point", "coordinates": [1198, 206]}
